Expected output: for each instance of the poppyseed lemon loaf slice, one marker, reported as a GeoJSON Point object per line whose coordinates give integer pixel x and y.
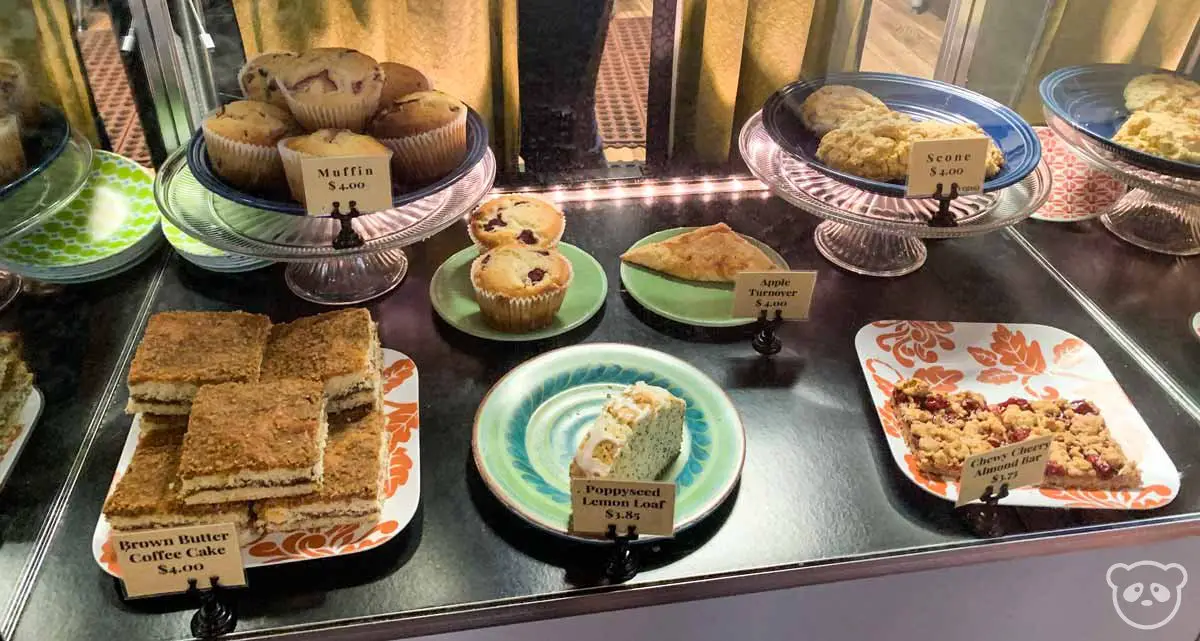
{"type": "Point", "coordinates": [635, 437]}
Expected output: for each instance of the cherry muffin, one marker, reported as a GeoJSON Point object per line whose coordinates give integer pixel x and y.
{"type": "Point", "coordinates": [241, 138]}
{"type": "Point", "coordinates": [400, 80]}
{"type": "Point", "coordinates": [258, 78]}
{"type": "Point", "coordinates": [520, 289]}
{"type": "Point", "coordinates": [517, 220]}
{"type": "Point", "coordinates": [332, 88]}
{"type": "Point", "coordinates": [427, 133]}
{"type": "Point", "coordinates": [323, 142]}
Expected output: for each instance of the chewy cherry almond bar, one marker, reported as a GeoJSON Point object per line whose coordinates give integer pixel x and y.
{"type": "Point", "coordinates": [943, 430]}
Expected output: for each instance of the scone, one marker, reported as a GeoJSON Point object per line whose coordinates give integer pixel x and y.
{"type": "Point", "coordinates": [827, 108]}
{"type": "Point", "coordinates": [516, 219]}
{"type": "Point", "coordinates": [324, 142]}
{"type": "Point", "coordinates": [400, 80]}
{"type": "Point", "coordinates": [332, 88]}
{"type": "Point", "coordinates": [258, 77]}
{"type": "Point", "coordinates": [520, 289]}
{"type": "Point", "coordinates": [12, 154]}
{"type": "Point", "coordinates": [1161, 92]}
{"type": "Point", "coordinates": [427, 133]}
{"type": "Point", "coordinates": [714, 254]}
{"type": "Point", "coordinates": [933, 130]}
{"type": "Point", "coordinates": [241, 138]}
{"type": "Point", "coordinates": [1162, 134]}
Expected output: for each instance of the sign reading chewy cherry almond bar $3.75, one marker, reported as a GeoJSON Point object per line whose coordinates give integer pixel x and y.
{"type": "Point", "coordinates": [961, 161]}
{"type": "Point", "coordinates": [1015, 465]}
{"type": "Point", "coordinates": [596, 504]}
{"type": "Point", "coordinates": [156, 562]}
{"type": "Point", "coordinates": [790, 293]}
{"type": "Point", "coordinates": [364, 180]}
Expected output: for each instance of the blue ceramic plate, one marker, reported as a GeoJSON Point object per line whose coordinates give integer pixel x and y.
{"type": "Point", "coordinates": [42, 144]}
{"type": "Point", "coordinates": [531, 422]}
{"type": "Point", "coordinates": [923, 100]}
{"type": "Point", "coordinates": [1091, 98]}
{"type": "Point", "coordinates": [201, 167]}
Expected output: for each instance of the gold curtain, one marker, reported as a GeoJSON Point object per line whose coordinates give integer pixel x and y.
{"type": "Point", "coordinates": [1148, 32]}
{"type": "Point", "coordinates": [734, 53]}
{"type": "Point", "coordinates": [38, 34]}
{"type": "Point", "coordinates": [468, 48]}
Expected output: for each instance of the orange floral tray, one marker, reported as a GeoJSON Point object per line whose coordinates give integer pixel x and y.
{"type": "Point", "coordinates": [402, 490]}
{"type": "Point", "coordinates": [1004, 360]}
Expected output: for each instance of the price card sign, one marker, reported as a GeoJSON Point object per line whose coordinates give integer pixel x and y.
{"type": "Point", "coordinates": [157, 562]}
{"type": "Point", "coordinates": [649, 507]}
{"type": "Point", "coordinates": [787, 292]}
{"type": "Point", "coordinates": [364, 180]}
{"type": "Point", "coordinates": [958, 160]}
{"type": "Point", "coordinates": [1015, 465]}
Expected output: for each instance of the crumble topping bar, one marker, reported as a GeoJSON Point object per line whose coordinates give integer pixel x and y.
{"type": "Point", "coordinates": [339, 349]}
{"type": "Point", "coordinates": [183, 350]}
{"type": "Point", "coordinates": [943, 430]}
{"type": "Point", "coordinates": [250, 441]}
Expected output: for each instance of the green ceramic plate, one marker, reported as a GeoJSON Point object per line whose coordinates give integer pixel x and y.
{"type": "Point", "coordinates": [187, 244]}
{"type": "Point", "coordinates": [114, 211]}
{"type": "Point", "coordinates": [454, 300]}
{"type": "Point", "coordinates": [685, 301]}
{"type": "Point", "coordinates": [531, 422]}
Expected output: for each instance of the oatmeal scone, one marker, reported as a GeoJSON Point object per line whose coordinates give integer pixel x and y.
{"type": "Point", "coordinates": [1161, 92]}
{"type": "Point", "coordinates": [875, 148]}
{"type": "Point", "coordinates": [1170, 135]}
{"type": "Point", "coordinates": [827, 108]}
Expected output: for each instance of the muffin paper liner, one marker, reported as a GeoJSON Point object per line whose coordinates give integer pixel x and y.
{"type": "Point", "coordinates": [425, 157]}
{"type": "Point", "coordinates": [520, 314]}
{"type": "Point", "coordinates": [243, 164]}
{"type": "Point", "coordinates": [353, 115]}
{"type": "Point", "coordinates": [12, 155]}
{"type": "Point", "coordinates": [292, 168]}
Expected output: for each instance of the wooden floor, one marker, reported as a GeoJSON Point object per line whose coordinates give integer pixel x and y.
{"type": "Point", "coordinates": [901, 41]}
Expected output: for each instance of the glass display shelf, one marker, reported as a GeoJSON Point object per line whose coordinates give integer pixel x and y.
{"type": "Point", "coordinates": [878, 235]}
{"type": "Point", "coordinates": [817, 466]}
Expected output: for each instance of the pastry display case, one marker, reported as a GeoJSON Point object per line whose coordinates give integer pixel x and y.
{"type": "Point", "coordinates": [434, 271]}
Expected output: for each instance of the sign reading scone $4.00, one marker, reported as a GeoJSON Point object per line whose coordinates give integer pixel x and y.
{"type": "Point", "coordinates": [955, 161]}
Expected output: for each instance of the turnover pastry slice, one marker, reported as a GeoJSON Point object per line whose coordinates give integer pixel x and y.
{"type": "Point", "coordinates": [713, 254]}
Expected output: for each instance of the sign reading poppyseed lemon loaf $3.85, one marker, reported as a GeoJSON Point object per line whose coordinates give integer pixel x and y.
{"type": "Point", "coordinates": [157, 562]}
{"type": "Point", "coordinates": [365, 181]}
{"type": "Point", "coordinates": [597, 504]}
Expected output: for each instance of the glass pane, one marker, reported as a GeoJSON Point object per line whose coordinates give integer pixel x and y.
{"type": "Point", "coordinates": [905, 36]}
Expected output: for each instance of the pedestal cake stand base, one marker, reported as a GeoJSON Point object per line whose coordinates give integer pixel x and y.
{"type": "Point", "coordinates": [869, 252]}
{"type": "Point", "coordinates": [1156, 223]}
{"type": "Point", "coordinates": [347, 280]}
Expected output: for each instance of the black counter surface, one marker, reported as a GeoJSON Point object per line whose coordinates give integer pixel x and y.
{"type": "Point", "coordinates": [819, 486]}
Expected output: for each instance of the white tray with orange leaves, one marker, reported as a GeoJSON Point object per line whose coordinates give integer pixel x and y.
{"type": "Point", "coordinates": [402, 489]}
{"type": "Point", "coordinates": [1002, 361]}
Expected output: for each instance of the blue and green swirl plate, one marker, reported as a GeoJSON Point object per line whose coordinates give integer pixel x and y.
{"type": "Point", "coordinates": [531, 422]}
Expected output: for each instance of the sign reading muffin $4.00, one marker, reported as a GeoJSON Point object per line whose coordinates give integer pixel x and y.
{"type": "Point", "coordinates": [365, 181]}
{"type": "Point", "coordinates": [956, 161]}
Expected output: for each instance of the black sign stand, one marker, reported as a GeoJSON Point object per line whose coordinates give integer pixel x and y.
{"type": "Point", "coordinates": [347, 237]}
{"type": "Point", "coordinates": [214, 619]}
{"type": "Point", "coordinates": [943, 217]}
{"type": "Point", "coordinates": [623, 563]}
{"type": "Point", "coordinates": [987, 521]}
{"type": "Point", "coordinates": [766, 342]}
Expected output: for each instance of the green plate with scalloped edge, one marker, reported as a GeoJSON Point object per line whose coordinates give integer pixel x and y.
{"type": "Point", "coordinates": [686, 301]}
{"type": "Point", "coordinates": [532, 420]}
{"type": "Point", "coordinates": [453, 298]}
{"type": "Point", "coordinates": [115, 211]}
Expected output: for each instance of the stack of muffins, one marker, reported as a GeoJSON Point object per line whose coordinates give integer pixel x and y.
{"type": "Point", "coordinates": [333, 102]}
{"type": "Point", "coordinates": [520, 279]}
{"type": "Point", "coordinates": [18, 111]}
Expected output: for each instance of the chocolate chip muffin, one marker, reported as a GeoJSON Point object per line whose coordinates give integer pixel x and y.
{"type": "Point", "coordinates": [400, 80]}
{"type": "Point", "coordinates": [332, 88]}
{"type": "Point", "coordinates": [520, 289]}
{"type": "Point", "coordinates": [258, 77]}
{"type": "Point", "coordinates": [516, 220]}
{"type": "Point", "coordinates": [427, 133]}
{"type": "Point", "coordinates": [323, 142]}
{"type": "Point", "coordinates": [241, 139]}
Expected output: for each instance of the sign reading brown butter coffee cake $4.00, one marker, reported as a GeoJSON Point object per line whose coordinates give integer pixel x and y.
{"type": "Point", "coordinates": [155, 562]}
{"type": "Point", "coordinates": [365, 181]}
{"type": "Point", "coordinates": [789, 293]}
{"type": "Point", "coordinates": [959, 161]}
{"type": "Point", "coordinates": [1015, 465]}
{"type": "Point", "coordinates": [648, 507]}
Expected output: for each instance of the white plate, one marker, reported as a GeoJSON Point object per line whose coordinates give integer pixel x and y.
{"type": "Point", "coordinates": [402, 488]}
{"type": "Point", "coordinates": [29, 416]}
{"type": "Point", "coordinates": [1005, 360]}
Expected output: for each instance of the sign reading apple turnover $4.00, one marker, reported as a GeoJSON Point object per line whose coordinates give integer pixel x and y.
{"type": "Point", "coordinates": [365, 181]}
{"type": "Point", "coordinates": [789, 293]}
